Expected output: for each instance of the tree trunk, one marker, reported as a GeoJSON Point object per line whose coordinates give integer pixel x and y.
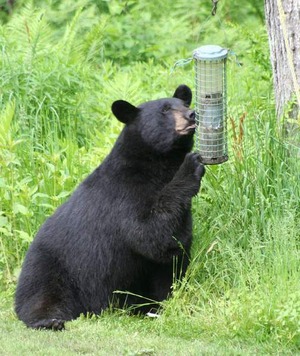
{"type": "Point", "coordinates": [283, 24]}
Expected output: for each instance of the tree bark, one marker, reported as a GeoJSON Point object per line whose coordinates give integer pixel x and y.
{"type": "Point", "coordinates": [283, 24]}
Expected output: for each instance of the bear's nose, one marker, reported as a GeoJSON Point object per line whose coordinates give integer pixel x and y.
{"type": "Point", "coordinates": [190, 115]}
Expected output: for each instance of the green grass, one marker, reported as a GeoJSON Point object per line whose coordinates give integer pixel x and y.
{"type": "Point", "coordinates": [62, 65]}
{"type": "Point", "coordinates": [121, 334]}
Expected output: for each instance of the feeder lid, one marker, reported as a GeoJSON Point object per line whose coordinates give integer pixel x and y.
{"type": "Point", "coordinates": [210, 52]}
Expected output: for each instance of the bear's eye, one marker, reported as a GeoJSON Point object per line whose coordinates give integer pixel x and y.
{"type": "Point", "coordinates": [166, 108]}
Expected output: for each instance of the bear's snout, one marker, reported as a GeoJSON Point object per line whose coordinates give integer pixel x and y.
{"type": "Point", "coordinates": [185, 122]}
{"type": "Point", "coordinates": [190, 115]}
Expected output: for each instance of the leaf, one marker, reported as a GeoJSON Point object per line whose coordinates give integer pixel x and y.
{"type": "Point", "coordinates": [3, 221]}
{"type": "Point", "coordinates": [2, 183]}
{"type": "Point", "coordinates": [24, 236]}
{"type": "Point", "coordinates": [20, 209]}
{"type": "Point", "coordinates": [40, 195]}
{"type": "Point", "coordinates": [63, 194]}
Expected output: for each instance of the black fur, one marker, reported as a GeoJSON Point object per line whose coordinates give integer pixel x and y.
{"type": "Point", "coordinates": [123, 226]}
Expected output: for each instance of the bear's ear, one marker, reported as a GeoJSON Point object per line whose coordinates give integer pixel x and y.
{"type": "Point", "coordinates": [184, 93]}
{"type": "Point", "coordinates": [124, 111]}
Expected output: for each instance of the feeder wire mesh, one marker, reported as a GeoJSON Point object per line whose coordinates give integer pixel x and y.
{"type": "Point", "coordinates": [211, 104]}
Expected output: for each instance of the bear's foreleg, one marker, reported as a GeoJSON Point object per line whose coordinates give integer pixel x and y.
{"type": "Point", "coordinates": [155, 235]}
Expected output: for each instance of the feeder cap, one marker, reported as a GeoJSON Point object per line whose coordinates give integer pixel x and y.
{"type": "Point", "coordinates": [210, 52]}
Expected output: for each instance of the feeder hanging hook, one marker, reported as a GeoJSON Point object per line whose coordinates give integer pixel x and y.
{"type": "Point", "coordinates": [215, 5]}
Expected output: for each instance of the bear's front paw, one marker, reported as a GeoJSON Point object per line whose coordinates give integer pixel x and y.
{"type": "Point", "coordinates": [193, 165]}
{"type": "Point", "coordinates": [192, 170]}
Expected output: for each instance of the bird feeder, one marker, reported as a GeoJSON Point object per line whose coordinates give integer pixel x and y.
{"type": "Point", "coordinates": [211, 103]}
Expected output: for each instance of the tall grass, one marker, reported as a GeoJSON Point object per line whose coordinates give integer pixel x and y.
{"type": "Point", "coordinates": [244, 278]}
{"type": "Point", "coordinates": [64, 63]}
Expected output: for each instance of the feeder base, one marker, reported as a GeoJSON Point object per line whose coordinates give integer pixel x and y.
{"type": "Point", "coordinates": [214, 160]}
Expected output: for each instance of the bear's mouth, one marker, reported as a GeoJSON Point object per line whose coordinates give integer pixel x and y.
{"type": "Point", "coordinates": [183, 125]}
{"type": "Point", "coordinates": [189, 129]}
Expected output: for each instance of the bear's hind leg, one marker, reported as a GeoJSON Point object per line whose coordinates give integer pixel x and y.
{"type": "Point", "coordinates": [45, 297]}
{"type": "Point", "coordinates": [157, 285]}
{"type": "Point", "coordinates": [149, 290]}
{"type": "Point", "coordinates": [46, 311]}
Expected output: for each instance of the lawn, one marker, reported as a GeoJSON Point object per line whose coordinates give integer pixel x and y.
{"type": "Point", "coordinates": [120, 334]}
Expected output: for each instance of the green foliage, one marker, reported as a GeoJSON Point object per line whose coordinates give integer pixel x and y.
{"type": "Point", "coordinates": [64, 62]}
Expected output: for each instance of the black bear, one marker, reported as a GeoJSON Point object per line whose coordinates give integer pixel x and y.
{"type": "Point", "coordinates": [125, 227]}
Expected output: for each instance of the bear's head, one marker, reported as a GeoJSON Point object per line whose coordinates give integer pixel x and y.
{"type": "Point", "coordinates": [162, 124]}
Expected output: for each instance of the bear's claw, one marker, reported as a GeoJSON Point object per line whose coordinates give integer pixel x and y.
{"type": "Point", "coordinates": [50, 324]}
